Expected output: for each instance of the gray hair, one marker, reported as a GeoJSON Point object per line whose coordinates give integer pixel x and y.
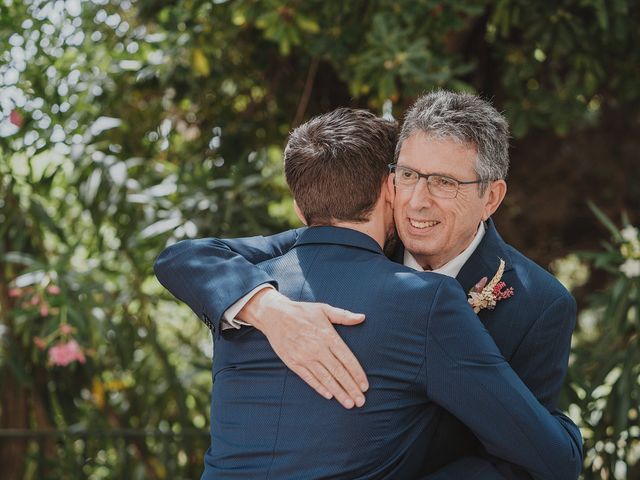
{"type": "Point", "coordinates": [468, 119]}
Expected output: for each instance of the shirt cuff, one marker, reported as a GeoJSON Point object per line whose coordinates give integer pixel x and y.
{"type": "Point", "coordinates": [229, 319]}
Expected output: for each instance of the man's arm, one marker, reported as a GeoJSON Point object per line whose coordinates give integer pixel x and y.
{"type": "Point", "coordinates": [541, 361]}
{"type": "Point", "coordinates": [193, 270]}
{"type": "Point", "coordinates": [490, 467]}
{"type": "Point", "coordinates": [466, 374]}
{"type": "Point", "coordinates": [210, 275]}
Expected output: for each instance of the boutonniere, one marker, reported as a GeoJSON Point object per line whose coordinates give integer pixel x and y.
{"type": "Point", "coordinates": [484, 295]}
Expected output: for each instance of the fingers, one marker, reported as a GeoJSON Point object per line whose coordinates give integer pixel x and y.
{"type": "Point", "coordinates": [340, 316]}
{"type": "Point", "coordinates": [306, 341]}
{"type": "Point", "coordinates": [330, 379]}
{"type": "Point", "coordinates": [344, 379]}
{"type": "Point", "coordinates": [330, 383]}
{"type": "Point", "coordinates": [350, 366]}
{"type": "Point", "coordinates": [313, 382]}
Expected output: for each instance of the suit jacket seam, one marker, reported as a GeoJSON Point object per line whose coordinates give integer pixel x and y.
{"type": "Point", "coordinates": [305, 272]}
{"type": "Point", "coordinates": [426, 337]}
{"type": "Point", "coordinates": [275, 443]}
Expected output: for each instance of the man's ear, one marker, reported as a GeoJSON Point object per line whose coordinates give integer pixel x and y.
{"type": "Point", "coordinates": [495, 194]}
{"type": "Point", "coordinates": [299, 213]}
{"type": "Point", "coordinates": [390, 189]}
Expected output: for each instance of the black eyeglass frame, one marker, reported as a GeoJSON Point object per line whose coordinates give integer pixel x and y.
{"type": "Point", "coordinates": [392, 169]}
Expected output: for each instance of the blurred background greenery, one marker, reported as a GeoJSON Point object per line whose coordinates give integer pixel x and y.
{"type": "Point", "coordinates": [126, 126]}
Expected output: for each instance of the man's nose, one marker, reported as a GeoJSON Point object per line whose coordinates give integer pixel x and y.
{"type": "Point", "coordinates": [421, 196]}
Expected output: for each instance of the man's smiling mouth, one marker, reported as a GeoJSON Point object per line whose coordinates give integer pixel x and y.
{"type": "Point", "coordinates": [423, 224]}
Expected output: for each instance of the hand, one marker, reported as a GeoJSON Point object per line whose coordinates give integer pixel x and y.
{"type": "Point", "coordinates": [305, 340]}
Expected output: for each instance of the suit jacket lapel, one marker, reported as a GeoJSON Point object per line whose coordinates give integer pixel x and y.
{"type": "Point", "coordinates": [484, 262]}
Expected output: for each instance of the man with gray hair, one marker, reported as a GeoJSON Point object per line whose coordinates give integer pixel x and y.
{"type": "Point", "coordinates": [449, 177]}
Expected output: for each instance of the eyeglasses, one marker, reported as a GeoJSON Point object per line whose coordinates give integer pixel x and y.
{"type": "Point", "coordinates": [439, 186]}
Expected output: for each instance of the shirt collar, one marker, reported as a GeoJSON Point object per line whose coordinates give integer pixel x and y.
{"type": "Point", "coordinates": [453, 266]}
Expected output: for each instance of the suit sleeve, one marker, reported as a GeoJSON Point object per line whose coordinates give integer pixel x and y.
{"type": "Point", "coordinates": [211, 274]}
{"type": "Point", "coordinates": [541, 361]}
{"type": "Point", "coordinates": [466, 374]}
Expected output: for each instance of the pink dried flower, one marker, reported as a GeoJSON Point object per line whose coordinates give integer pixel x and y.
{"type": "Point", "coordinates": [15, 292]}
{"type": "Point", "coordinates": [35, 300]}
{"type": "Point", "coordinates": [44, 310]}
{"type": "Point", "coordinates": [480, 285]}
{"type": "Point", "coordinates": [501, 294]}
{"type": "Point", "coordinates": [483, 296]}
{"type": "Point", "coordinates": [62, 354]}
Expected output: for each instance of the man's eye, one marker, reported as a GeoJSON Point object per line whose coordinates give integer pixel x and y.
{"type": "Point", "coordinates": [444, 182]}
{"type": "Point", "coordinates": [406, 174]}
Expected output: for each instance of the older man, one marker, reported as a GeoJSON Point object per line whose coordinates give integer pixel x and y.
{"type": "Point", "coordinates": [452, 160]}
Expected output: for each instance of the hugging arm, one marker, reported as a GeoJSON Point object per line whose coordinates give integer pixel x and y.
{"type": "Point", "coordinates": [541, 361]}
{"type": "Point", "coordinates": [211, 275]}
{"type": "Point", "coordinates": [466, 374]}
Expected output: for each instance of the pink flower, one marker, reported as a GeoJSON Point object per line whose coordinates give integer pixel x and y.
{"type": "Point", "coordinates": [53, 290]}
{"type": "Point", "coordinates": [486, 296]}
{"type": "Point", "coordinates": [40, 343]}
{"type": "Point", "coordinates": [62, 354]}
{"type": "Point", "coordinates": [501, 294]}
{"type": "Point", "coordinates": [35, 300]}
{"type": "Point", "coordinates": [15, 292]}
{"type": "Point", "coordinates": [15, 117]}
{"type": "Point", "coordinates": [66, 329]}
{"type": "Point", "coordinates": [44, 310]}
{"type": "Point", "coordinates": [480, 285]}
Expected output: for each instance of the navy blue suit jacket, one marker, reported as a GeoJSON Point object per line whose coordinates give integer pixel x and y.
{"type": "Point", "coordinates": [420, 345]}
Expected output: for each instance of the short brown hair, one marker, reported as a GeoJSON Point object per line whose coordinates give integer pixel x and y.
{"type": "Point", "coordinates": [335, 164]}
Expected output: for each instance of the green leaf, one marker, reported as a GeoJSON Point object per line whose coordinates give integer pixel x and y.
{"type": "Point", "coordinates": [615, 233]}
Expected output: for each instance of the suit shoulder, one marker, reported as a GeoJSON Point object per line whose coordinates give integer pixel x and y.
{"type": "Point", "coordinates": [409, 282]}
{"type": "Point", "coordinates": [536, 279]}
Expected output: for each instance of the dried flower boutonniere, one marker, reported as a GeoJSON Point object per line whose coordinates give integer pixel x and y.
{"type": "Point", "coordinates": [486, 296]}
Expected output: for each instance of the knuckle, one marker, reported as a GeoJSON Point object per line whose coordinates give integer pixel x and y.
{"type": "Point", "coordinates": [325, 376]}
{"type": "Point", "coordinates": [340, 374]}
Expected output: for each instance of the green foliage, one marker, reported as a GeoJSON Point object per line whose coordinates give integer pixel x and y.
{"type": "Point", "coordinates": [606, 368]}
{"type": "Point", "coordinates": [127, 126]}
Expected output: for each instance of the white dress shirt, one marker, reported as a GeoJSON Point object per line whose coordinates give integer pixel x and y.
{"type": "Point", "coordinates": [451, 269]}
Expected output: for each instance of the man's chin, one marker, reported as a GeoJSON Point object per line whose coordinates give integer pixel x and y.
{"type": "Point", "coordinates": [420, 249]}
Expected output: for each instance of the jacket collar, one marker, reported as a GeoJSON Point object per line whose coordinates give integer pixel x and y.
{"type": "Point", "coordinates": [337, 236]}
{"type": "Point", "coordinates": [484, 262]}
